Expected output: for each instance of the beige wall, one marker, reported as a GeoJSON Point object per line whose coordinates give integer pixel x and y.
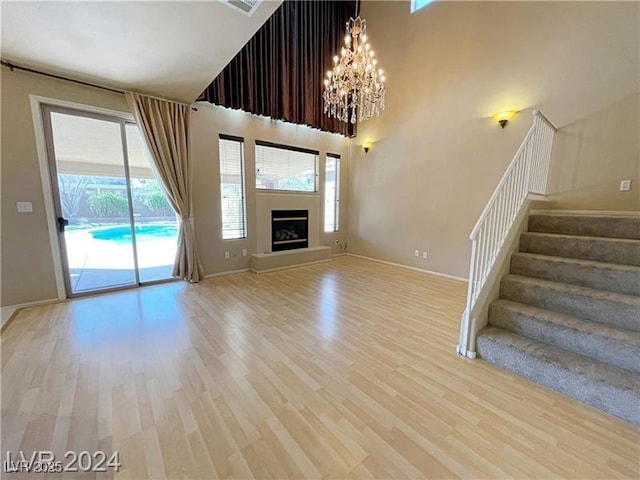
{"type": "Point", "coordinates": [437, 155]}
{"type": "Point", "coordinates": [592, 155]}
{"type": "Point", "coordinates": [209, 122]}
{"type": "Point", "coordinates": [27, 261]}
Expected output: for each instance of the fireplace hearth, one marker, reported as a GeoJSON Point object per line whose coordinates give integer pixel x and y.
{"type": "Point", "coordinates": [289, 229]}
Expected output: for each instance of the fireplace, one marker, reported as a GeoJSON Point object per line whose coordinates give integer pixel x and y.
{"type": "Point", "coordinates": [289, 229]}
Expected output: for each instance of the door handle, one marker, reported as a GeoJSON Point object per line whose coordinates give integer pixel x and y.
{"type": "Point", "coordinates": [62, 222]}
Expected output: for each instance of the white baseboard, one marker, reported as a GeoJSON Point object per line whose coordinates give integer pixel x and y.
{"type": "Point", "coordinates": [538, 197]}
{"type": "Point", "coordinates": [8, 311]}
{"type": "Point", "coordinates": [229, 272]}
{"type": "Point", "coordinates": [466, 353]}
{"type": "Point", "coordinates": [416, 269]}
{"type": "Point", "coordinates": [242, 270]}
{"type": "Point", "coordinates": [608, 213]}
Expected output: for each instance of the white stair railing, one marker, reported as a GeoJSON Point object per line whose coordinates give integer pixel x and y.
{"type": "Point", "coordinates": [527, 173]}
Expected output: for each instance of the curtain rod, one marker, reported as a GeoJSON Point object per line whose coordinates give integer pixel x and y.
{"type": "Point", "coordinates": [13, 66]}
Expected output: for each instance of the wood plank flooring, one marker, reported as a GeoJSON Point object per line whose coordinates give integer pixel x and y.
{"type": "Point", "coordinates": [344, 369]}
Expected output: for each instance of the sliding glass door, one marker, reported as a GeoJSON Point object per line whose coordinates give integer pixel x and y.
{"type": "Point", "coordinates": [116, 228]}
{"type": "Point", "coordinates": [155, 222]}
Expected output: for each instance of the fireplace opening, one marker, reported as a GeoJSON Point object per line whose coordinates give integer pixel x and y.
{"type": "Point", "coordinates": [289, 229]}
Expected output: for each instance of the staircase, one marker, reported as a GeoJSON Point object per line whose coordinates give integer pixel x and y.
{"type": "Point", "coordinates": [568, 316]}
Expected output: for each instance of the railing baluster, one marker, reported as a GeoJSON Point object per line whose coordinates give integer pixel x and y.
{"type": "Point", "coordinates": [513, 189]}
{"type": "Point", "coordinates": [533, 160]}
{"type": "Point", "coordinates": [483, 257]}
{"type": "Point", "coordinates": [501, 222]}
{"type": "Point", "coordinates": [536, 158]}
{"type": "Point", "coordinates": [494, 238]}
{"type": "Point", "coordinates": [527, 172]}
{"type": "Point", "coordinates": [549, 142]}
{"type": "Point", "coordinates": [523, 184]}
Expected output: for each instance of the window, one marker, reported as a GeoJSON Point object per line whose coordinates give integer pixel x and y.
{"type": "Point", "coordinates": [280, 167]}
{"type": "Point", "coordinates": [233, 204]}
{"type": "Point", "coordinates": [332, 193]}
{"type": "Point", "coordinates": [418, 4]}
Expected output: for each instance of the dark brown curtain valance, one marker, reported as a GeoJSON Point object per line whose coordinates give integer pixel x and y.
{"type": "Point", "coordinates": [279, 73]}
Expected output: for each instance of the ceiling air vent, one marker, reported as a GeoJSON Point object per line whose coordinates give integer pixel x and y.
{"type": "Point", "coordinates": [245, 6]}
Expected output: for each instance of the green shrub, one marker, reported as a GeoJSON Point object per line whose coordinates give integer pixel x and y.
{"type": "Point", "coordinates": [155, 201]}
{"type": "Point", "coordinates": [107, 204]}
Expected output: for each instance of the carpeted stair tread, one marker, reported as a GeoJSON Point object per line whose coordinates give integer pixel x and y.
{"type": "Point", "coordinates": [601, 342]}
{"type": "Point", "coordinates": [603, 249]}
{"type": "Point", "coordinates": [609, 388]}
{"type": "Point", "coordinates": [593, 225]}
{"type": "Point", "coordinates": [615, 309]}
{"type": "Point", "coordinates": [631, 300]}
{"type": "Point", "coordinates": [613, 277]}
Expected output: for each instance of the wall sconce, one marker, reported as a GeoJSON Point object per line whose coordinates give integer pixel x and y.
{"type": "Point", "coordinates": [503, 117]}
{"type": "Point", "coordinates": [366, 146]}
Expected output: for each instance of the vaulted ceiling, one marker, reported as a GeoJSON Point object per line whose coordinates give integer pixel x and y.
{"type": "Point", "coordinates": [167, 49]}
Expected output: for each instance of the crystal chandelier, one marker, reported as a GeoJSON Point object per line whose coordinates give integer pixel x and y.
{"type": "Point", "coordinates": [354, 88]}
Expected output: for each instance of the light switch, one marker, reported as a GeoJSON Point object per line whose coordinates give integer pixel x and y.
{"type": "Point", "coordinates": [625, 185]}
{"type": "Point", "coordinates": [25, 207]}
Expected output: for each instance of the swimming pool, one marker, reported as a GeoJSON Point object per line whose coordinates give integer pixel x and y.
{"type": "Point", "coordinates": [122, 233]}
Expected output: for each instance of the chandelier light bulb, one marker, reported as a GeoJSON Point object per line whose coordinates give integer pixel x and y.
{"type": "Point", "coordinates": [335, 59]}
{"type": "Point", "coordinates": [347, 39]}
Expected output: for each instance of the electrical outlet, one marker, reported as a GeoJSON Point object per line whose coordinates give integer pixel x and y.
{"type": "Point", "coordinates": [424, 255]}
{"type": "Point", "coordinates": [244, 252]}
{"type": "Point", "coordinates": [416, 253]}
{"type": "Point", "coordinates": [226, 255]}
{"type": "Point", "coordinates": [625, 185]}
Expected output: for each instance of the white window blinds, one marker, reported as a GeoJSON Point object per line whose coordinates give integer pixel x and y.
{"type": "Point", "coordinates": [232, 190]}
{"type": "Point", "coordinates": [280, 167]}
{"type": "Point", "coordinates": [332, 193]}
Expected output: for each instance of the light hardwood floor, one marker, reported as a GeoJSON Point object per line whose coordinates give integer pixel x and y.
{"type": "Point", "coordinates": [345, 369]}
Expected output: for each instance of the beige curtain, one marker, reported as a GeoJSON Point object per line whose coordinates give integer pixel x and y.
{"type": "Point", "coordinates": [166, 128]}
